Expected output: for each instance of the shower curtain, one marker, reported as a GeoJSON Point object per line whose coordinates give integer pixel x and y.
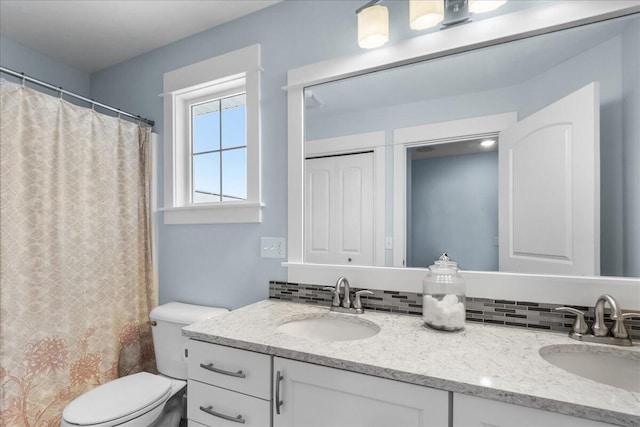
{"type": "Point", "coordinates": [76, 280]}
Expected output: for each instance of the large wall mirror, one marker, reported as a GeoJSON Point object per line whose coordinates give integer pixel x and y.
{"type": "Point", "coordinates": [398, 166]}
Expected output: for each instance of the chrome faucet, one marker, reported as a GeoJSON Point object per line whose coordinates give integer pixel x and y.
{"type": "Point", "coordinates": [599, 328]}
{"type": "Point", "coordinates": [346, 306]}
{"type": "Point", "coordinates": [617, 334]}
{"type": "Point", "coordinates": [346, 299]}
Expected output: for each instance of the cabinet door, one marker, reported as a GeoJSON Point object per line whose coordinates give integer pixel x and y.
{"type": "Point", "coordinates": [315, 396]}
{"type": "Point", "coordinates": [471, 411]}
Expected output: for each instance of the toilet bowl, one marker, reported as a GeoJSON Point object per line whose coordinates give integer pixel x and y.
{"type": "Point", "coordinates": [144, 399]}
{"type": "Point", "coordinates": [134, 400]}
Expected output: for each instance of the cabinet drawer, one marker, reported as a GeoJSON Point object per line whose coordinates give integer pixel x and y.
{"type": "Point", "coordinates": [210, 405]}
{"type": "Point", "coordinates": [230, 368]}
{"type": "Point", "coordinates": [191, 423]}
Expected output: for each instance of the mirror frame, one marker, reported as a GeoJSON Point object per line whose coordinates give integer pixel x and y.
{"type": "Point", "coordinates": [489, 32]}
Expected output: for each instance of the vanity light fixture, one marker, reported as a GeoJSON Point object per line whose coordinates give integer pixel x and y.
{"type": "Point", "coordinates": [373, 25]}
{"type": "Point", "coordinates": [373, 19]}
{"type": "Point", "coordinates": [488, 143]}
{"type": "Point", "coordinates": [425, 14]}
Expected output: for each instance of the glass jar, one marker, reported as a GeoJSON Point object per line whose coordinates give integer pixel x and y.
{"type": "Point", "coordinates": [443, 296]}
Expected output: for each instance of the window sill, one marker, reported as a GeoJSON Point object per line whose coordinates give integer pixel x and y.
{"type": "Point", "coordinates": [230, 212]}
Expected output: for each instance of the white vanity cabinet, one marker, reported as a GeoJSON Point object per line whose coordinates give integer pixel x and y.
{"type": "Point", "coordinates": [469, 411]}
{"type": "Point", "coordinates": [315, 396]}
{"type": "Point", "coordinates": [232, 387]}
{"type": "Point", "coordinates": [227, 386]}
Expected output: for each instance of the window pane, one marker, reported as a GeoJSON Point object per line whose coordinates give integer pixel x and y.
{"type": "Point", "coordinates": [206, 126]}
{"type": "Point", "coordinates": [206, 178]}
{"type": "Point", "coordinates": [234, 128]}
{"type": "Point", "coordinates": [234, 174]}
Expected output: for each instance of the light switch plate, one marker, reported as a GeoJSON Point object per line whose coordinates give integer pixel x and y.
{"type": "Point", "coordinates": [273, 247]}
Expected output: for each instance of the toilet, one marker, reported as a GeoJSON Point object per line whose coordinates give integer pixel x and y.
{"type": "Point", "coordinates": [144, 399]}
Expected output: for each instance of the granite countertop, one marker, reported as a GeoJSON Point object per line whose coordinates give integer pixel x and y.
{"type": "Point", "coordinates": [492, 362]}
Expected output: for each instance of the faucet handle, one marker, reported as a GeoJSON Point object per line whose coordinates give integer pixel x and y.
{"type": "Point", "coordinates": [618, 328]}
{"type": "Point", "coordinates": [630, 315]}
{"type": "Point", "coordinates": [336, 295]}
{"type": "Point", "coordinates": [579, 325]}
{"type": "Point", "coordinates": [357, 304]}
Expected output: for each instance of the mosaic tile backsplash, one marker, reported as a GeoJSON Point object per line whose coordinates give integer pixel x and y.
{"type": "Point", "coordinates": [522, 314]}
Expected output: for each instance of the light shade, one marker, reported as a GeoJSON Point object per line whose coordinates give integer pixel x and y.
{"type": "Point", "coordinates": [425, 14]}
{"type": "Point", "coordinates": [373, 27]}
{"type": "Point", "coordinates": [481, 6]}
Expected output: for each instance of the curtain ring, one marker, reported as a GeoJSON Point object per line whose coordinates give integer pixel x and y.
{"type": "Point", "coordinates": [23, 80]}
{"type": "Point", "coordinates": [60, 91]}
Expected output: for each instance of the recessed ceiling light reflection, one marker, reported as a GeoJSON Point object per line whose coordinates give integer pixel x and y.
{"type": "Point", "coordinates": [488, 143]}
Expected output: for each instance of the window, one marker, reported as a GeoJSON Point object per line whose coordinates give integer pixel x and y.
{"type": "Point", "coordinates": [212, 160]}
{"type": "Point", "coordinates": [219, 150]}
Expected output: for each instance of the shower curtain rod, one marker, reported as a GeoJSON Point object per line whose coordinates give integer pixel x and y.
{"type": "Point", "coordinates": [74, 95]}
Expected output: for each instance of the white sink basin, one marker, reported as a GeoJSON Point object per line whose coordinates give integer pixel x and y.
{"type": "Point", "coordinates": [328, 327]}
{"type": "Point", "coordinates": [613, 366]}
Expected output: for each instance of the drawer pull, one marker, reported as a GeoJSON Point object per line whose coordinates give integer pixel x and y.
{"type": "Point", "coordinates": [209, 367]}
{"type": "Point", "coordinates": [209, 410]}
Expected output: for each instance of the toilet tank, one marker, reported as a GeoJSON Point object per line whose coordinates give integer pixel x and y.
{"type": "Point", "coordinates": [168, 341]}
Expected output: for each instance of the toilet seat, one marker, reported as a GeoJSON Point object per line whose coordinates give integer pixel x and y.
{"type": "Point", "coordinates": [118, 401]}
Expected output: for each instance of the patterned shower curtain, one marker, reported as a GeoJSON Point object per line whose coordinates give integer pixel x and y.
{"type": "Point", "coordinates": [76, 280]}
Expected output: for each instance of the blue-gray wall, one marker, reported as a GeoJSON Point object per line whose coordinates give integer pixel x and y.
{"type": "Point", "coordinates": [42, 67]}
{"type": "Point", "coordinates": [220, 264]}
{"type": "Point", "coordinates": [454, 209]}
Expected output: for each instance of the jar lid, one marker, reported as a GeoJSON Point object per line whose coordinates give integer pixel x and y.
{"type": "Point", "coordinates": [444, 265]}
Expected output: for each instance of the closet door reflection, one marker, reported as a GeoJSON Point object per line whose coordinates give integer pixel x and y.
{"type": "Point", "coordinates": [339, 209]}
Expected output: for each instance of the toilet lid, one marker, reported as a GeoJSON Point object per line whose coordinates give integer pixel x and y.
{"type": "Point", "coordinates": [117, 399]}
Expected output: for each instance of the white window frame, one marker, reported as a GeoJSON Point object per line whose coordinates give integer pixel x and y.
{"type": "Point", "coordinates": [237, 71]}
